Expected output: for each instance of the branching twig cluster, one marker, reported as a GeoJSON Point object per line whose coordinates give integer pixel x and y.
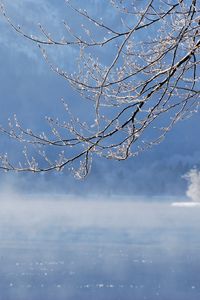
{"type": "Point", "coordinates": [146, 76]}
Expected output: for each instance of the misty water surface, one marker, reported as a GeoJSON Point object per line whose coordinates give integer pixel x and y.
{"type": "Point", "coordinates": [98, 249]}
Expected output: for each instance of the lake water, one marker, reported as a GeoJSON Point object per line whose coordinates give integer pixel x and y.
{"type": "Point", "coordinates": [78, 250]}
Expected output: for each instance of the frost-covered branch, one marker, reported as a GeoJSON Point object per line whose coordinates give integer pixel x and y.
{"type": "Point", "coordinates": [140, 72]}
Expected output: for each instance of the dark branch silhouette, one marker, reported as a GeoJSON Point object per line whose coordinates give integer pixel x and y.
{"type": "Point", "coordinates": [148, 81]}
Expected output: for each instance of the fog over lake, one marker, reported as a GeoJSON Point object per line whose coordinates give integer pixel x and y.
{"type": "Point", "coordinates": [94, 245]}
{"type": "Point", "coordinates": [68, 248]}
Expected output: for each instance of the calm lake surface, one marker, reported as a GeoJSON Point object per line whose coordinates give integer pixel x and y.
{"type": "Point", "coordinates": [78, 250]}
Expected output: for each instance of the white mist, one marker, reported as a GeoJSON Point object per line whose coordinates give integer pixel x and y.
{"type": "Point", "coordinates": [193, 191]}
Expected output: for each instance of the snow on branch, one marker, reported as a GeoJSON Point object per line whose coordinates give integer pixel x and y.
{"type": "Point", "coordinates": [140, 73]}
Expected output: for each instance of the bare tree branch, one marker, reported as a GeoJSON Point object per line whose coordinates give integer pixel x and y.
{"type": "Point", "coordinates": [149, 80]}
